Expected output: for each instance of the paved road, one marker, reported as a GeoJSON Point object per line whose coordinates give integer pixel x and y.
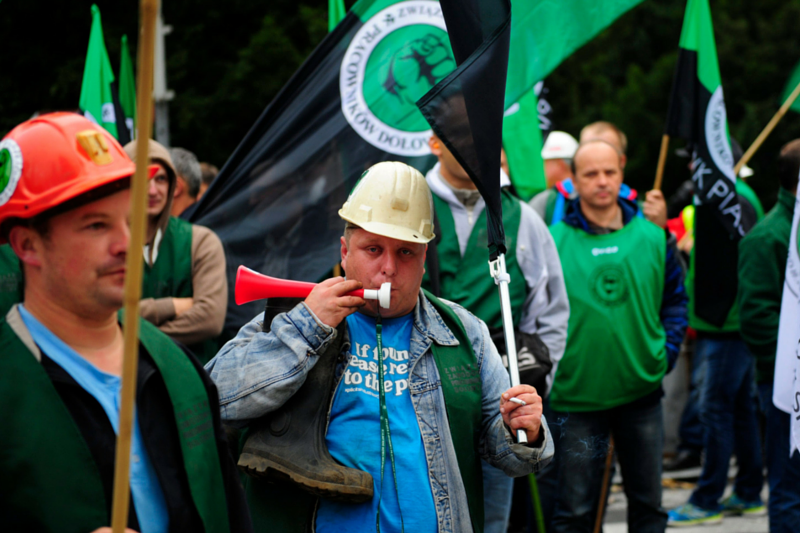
{"type": "Point", "coordinates": [617, 509]}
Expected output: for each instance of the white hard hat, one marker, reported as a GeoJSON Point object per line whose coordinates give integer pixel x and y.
{"type": "Point", "coordinates": [559, 145]}
{"type": "Point", "coordinates": [392, 199]}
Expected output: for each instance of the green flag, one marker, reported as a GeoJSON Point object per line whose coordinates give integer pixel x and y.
{"type": "Point", "coordinates": [96, 100]}
{"type": "Point", "coordinates": [697, 114]}
{"type": "Point", "coordinates": [544, 33]}
{"type": "Point", "coordinates": [522, 142]}
{"type": "Point", "coordinates": [336, 12]}
{"type": "Point", "coordinates": [127, 87]}
{"type": "Point", "coordinates": [794, 79]}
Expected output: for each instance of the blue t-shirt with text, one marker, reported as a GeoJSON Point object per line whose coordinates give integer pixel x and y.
{"type": "Point", "coordinates": [354, 436]}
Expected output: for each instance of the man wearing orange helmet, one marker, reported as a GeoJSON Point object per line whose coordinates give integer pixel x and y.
{"type": "Point", "coordinates": [64, 209]}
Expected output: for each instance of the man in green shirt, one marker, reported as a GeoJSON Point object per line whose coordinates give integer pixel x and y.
{"type": "Point", "coordinates": [627, 320]}
{"type": "Point", "coordinates": [762, 269]}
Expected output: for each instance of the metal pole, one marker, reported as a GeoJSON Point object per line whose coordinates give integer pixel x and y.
{"type": "Point", "coordinates": [497, 269]}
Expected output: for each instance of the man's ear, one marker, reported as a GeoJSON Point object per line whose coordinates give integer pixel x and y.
{"type": "Point", "coordinates": [435, 145]}
{"type": "Point", "coordinates": [623, 160]}
{"type": "Point", "coordinates": [344, 253]}
{"type": "Point", "coordinates": [27, 244]}
{"type": "Point", "coordinates": [180, 187]}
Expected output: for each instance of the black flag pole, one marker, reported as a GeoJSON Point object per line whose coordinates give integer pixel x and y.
{"type": "Point", "coordinates": [465, 111]}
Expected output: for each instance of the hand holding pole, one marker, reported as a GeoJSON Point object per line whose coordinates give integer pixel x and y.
{"type": "Point", "coordinates": [501, 278]}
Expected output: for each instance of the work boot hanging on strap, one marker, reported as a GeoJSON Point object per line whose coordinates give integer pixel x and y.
{"type": "Point", "coordinates": [289, 444]}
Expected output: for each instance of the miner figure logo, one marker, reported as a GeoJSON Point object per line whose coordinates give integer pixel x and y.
{"type": "Point", "coordinates": [432, 60]}
{"type": "Point", "coordinates": [397, 56]}
{"type": "Point", "coordinates": [608, 284]}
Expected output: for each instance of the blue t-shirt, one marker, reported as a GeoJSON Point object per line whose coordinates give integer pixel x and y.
{"type": "Point", "coordinates": [148, 499]}
{"type": "Point", "coordinates": [354, 435]}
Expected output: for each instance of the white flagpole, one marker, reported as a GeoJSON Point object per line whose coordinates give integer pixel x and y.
{"type": "Point", "coordinates": [497, 269]}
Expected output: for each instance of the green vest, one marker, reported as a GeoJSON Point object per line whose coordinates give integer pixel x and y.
{"type": "Point", "coordinates": [10, 279]}
{"type": "Point", "coordinates": [286, 509]}
{"type": "Point", "coordinates": [50, 479]}
{"type": "Point", "coordinates": [466, 280]}
{"type": "Point", "coordinates": [616, 349]}
{"type": "Point", "coordinates": [171, 275]}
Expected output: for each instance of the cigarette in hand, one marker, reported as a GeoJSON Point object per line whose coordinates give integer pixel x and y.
{"type": "Point", "coordinates": [517, 401]}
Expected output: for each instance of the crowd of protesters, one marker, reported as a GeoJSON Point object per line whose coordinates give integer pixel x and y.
{"type": "Point", "coordinates": [323, 402]}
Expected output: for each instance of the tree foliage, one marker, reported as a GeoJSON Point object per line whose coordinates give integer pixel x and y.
{"type": "Point", "coordinates": [227, 60]}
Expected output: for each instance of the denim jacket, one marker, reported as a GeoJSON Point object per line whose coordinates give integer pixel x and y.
{"type": "Point", "coordinates": [258, 371]}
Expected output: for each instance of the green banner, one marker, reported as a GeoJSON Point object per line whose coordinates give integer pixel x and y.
{"type": "Point", "coordinates": [522, 141]}
{"type": "Point", "coordinates": [402, 50]}
{"type": "Point", "coordinates": [127, 87]}
{"type": "Point", "coordinates": [794, 80]}
{"type": "Point", "coordinates": [336, 12]}
{"type": "Point", "coordinates": [697, 114]}
{"type": "Point", "coordinates": [544, 33]}
{"type": "Point", "coordinates": [96, 100]}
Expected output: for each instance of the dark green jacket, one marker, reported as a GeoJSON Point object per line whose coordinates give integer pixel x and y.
{"type": "Point", "coordinates": [762, 268]}
{"type": "Point", "coordinates": [10, 279]}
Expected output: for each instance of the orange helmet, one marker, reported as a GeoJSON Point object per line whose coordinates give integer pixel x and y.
{"type": "Point", "coordinates": [51, 159]}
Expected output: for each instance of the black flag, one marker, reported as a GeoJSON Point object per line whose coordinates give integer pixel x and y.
{"type": "Point", "coordinates": [350, 105]}
{"type": "Point", "coordinates": [697, 114]}
{"type": "Point", "coordinates": [465, 110]}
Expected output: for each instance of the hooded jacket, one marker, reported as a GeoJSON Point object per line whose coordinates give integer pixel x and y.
{"type": "Point", "coordinates": [203, 322]}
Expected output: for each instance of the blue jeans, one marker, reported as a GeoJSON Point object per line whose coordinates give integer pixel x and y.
{"type": "Point", "coordinates": [783, 471]}
{"type": "Point", "coordinates": [638, 432]}
{"type": "Point", "coordinates": [497, 492]}
{"type": "Point", "coordinates": [691, 429]}
{"type": "Point", "coordinates": [728, 413]}
{"type": "Point", "coordinates": [547, 477]}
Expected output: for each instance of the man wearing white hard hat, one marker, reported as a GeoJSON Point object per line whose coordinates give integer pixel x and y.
{"type": "Point", "coordinates": [381, 414]}
{"type": "Point", "coordinates": [557, 155]}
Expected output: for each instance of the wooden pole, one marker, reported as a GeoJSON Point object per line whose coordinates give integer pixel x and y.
{"type": "Point", "coordinates": [662, 159]}
{"type": "Point", "coordinates": [767, 130]}
{"type": "Point", "coordinates": [601, 505]}
{"type": "Point", "coordinates": [134, 266]}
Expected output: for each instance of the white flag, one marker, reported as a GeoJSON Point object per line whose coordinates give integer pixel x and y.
{"type": "Point", "coordinates": [786, 393]}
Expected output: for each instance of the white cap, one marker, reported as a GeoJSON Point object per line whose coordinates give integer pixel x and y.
{"type": "Point", "coordinates": [559, 145]}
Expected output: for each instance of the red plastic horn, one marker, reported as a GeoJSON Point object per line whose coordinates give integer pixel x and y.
{"type": "Point", "coordinates": [250, 286]}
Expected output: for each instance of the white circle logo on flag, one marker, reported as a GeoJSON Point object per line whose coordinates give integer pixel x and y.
{"type": "Point", "coordinates": [396, 57]}
{"type": "Point", "coordinates": [717, 134]}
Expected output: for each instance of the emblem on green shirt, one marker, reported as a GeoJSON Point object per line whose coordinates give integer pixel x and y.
{"type": "Point", "coordinates": [608, 283]}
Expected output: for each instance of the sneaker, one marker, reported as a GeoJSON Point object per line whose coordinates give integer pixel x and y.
{"type": "Point", "coordinates": [734, 505]}
{"type": "Point", "coordinates": [691, 515]}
